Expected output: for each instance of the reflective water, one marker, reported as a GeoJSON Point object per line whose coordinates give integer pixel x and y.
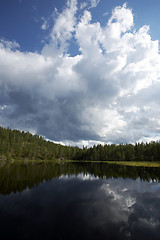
{"type": "Point", "coordinates": [79, 201]}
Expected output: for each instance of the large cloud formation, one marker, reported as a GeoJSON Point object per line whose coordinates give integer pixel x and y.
{"type": "Point", "coordinates": [107, 92]}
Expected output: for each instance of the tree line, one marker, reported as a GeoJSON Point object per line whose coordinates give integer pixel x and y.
{"type": "Point", "coordinates": [17, 145]}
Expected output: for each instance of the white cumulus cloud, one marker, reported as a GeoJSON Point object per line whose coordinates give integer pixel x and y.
{"type": "Point", "coordinates": [108, 92]}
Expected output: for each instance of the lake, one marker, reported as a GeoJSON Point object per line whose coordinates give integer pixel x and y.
{"type": "Point", "coordinates": [79, 201]}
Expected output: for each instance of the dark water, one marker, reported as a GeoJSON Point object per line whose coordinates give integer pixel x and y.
{"type": "Point", "coordinates": [79, 201]}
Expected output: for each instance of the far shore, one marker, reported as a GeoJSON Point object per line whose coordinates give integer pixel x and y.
{"type": "Point", "coordinates": [62, 161]}
{"type": "Point", "coordinates": [125, 163]}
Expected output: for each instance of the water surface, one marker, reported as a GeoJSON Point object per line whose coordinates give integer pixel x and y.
{"type": "Point", "coordinates": [79, 201]}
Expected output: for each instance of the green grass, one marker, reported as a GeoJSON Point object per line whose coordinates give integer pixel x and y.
{"type": "Point", "coordinates": [125, 163]}
{"type": "Point", "coordinates": [136, 164]}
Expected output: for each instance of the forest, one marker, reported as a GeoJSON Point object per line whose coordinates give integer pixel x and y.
{"type": "Point", "coordinates": [24, 146]}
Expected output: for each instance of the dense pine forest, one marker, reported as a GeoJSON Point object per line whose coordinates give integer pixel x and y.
{"type": "Point", "coordinates": [16, 145]}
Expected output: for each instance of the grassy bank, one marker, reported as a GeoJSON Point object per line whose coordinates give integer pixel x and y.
{"type": "Point", "coordinates": [125, 163]}
{"type": "Point", "coordinates": [138, 164]}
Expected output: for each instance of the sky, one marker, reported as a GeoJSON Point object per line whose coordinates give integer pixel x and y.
{"type": "Point", "coordinates": [81, 72]}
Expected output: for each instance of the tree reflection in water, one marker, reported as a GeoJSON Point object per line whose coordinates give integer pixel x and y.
{"type": "Point", "coordinates": [17, 177]}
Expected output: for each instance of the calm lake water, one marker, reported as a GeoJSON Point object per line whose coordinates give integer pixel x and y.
{"type": "Point", "coordinates": [79, 201]}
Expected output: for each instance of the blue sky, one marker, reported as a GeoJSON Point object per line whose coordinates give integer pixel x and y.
{"type": "Point", "coordinates": [81, 72]}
